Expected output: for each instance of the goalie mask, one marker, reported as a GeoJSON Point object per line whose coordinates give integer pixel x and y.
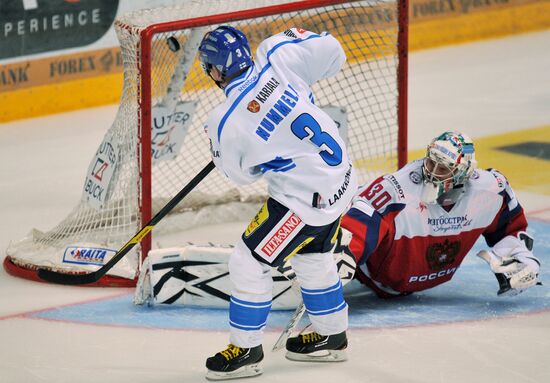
{"type": "Point", "coordinates": [449, 162]}
{"type": "Point", "coordinates": [227, 50]}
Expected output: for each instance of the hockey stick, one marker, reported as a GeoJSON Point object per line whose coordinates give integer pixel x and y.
{"type": "Point", "coordinates": [291, 325]}
{"type": "Point", "coordinates": [82, 279]}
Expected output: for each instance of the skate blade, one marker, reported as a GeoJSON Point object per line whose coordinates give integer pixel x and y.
{"type": "Point", "coordinates": [319, 356]}
{"type": "Point", "coordinates": [243, 372]}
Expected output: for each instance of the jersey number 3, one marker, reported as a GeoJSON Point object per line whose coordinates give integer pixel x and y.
{"type": "Point", "coordinates": [305, 126]}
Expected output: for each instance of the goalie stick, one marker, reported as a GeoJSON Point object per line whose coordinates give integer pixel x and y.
{"type": "Point", "coordinates": [82, 279]}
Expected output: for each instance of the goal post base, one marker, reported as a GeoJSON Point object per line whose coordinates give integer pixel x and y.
{"type": "Point", "coordinates": [30, 273]}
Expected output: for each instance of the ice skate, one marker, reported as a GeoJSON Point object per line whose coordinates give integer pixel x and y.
{"type": "Point", "coordinates": [235, 362]}
{"type": "Point", "coordinates": [313, 347]}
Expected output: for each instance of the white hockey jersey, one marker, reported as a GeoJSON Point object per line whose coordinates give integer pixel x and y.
{"type": "Point", "coordinates": [403, 245]}
{"type": "Point", "coordinates": [268, 126]}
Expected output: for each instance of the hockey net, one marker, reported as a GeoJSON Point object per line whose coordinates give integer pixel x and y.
{"type": "Point", "coordinates": [157, 143]}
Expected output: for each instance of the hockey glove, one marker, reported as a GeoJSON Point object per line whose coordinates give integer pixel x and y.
{"type": "Point", "coordinates": [515, 273]}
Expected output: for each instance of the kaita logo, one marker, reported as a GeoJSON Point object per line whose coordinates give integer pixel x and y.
{"type": "Point", "coordinates": [87, 255]}
{"type": "Point", "coordinates": [253, 106]}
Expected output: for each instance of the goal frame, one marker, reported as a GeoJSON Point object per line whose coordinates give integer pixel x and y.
{"type": "Point", "coordinates": [141, 154]}
{"type": "Point", "coordinates": [145, 98]}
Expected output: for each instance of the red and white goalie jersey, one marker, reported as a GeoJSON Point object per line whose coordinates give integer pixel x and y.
{"type": "Point", "coordinates": [403, 245]}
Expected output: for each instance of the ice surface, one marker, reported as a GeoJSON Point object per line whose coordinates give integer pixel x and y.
{"type": "Point", "coordinates": [458, 332]}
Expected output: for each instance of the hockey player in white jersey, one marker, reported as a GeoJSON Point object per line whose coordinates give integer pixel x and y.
{"type": "Point", "coordinates": [269, 127]}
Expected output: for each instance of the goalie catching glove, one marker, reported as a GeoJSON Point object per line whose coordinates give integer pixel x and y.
{"type": "Point", "coordinates": [513, 263]}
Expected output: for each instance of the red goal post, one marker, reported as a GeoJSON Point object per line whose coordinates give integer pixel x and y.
{"type": "Point", "coordinates": [157, 144]}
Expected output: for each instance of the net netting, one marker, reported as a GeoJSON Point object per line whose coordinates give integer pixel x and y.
{"type": "Point", "coordinates": [362, 99]}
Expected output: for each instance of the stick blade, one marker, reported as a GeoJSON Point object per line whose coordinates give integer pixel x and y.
{"type": "Point", "coordinates": [66, 279]}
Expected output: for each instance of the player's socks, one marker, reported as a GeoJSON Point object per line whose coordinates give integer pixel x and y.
{"type": "Point", "coordinates": [313, 347]}
{"type": "Point", "coordinates": [235, 362]}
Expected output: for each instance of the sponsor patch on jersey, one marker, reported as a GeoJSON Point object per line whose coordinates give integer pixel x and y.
{"type": "Point", "coordinates": [247, 83]}
{"type": "Point", "coordinates": [342, 189]}
{"type": "Point", "coordinates": [87, 255]}
{"type": "Point", "coordinates": [266, 90]}
{"type": "Point", "coordinates": [300, 30]}
{"type": "Point", "coordinates": [280, 236]}
{"type": "Point", "coordinates": [253, 106]}
{"type": "Point", "coordinates": [415, 177]}
{"type": "Point", "coordinates": [397, 187]}
{"type": "Point", "coordinates": [443, 224]}
{"type": "Point", "coordinates": [289, 33]}
{"type": "Point", "coordinates": [257, 221]}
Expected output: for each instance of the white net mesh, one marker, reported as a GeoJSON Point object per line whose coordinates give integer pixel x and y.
{"type": "Point", "coordinates": [362, 98]}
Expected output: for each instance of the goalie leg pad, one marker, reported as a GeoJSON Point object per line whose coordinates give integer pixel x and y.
{"type": "Point", "coordinates": [199, 276]}
{"type": "Point", "coordinates": [191, 275]}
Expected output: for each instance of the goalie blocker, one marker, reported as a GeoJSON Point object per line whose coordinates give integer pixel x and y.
{"type": "Point", "coordinates": [198, 275]}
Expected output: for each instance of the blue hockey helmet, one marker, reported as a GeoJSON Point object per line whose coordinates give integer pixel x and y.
{"type": "Point", "coordinates": [226, 49]}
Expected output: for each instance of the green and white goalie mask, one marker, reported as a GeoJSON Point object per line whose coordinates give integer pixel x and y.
{"type": "Point", "coordinates": [449, 162]}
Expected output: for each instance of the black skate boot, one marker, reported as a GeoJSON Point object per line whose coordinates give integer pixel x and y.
{"type": "Point", "coordinates": [235, 362]}
{"type": "Point", "coordinates": [313, 347]}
